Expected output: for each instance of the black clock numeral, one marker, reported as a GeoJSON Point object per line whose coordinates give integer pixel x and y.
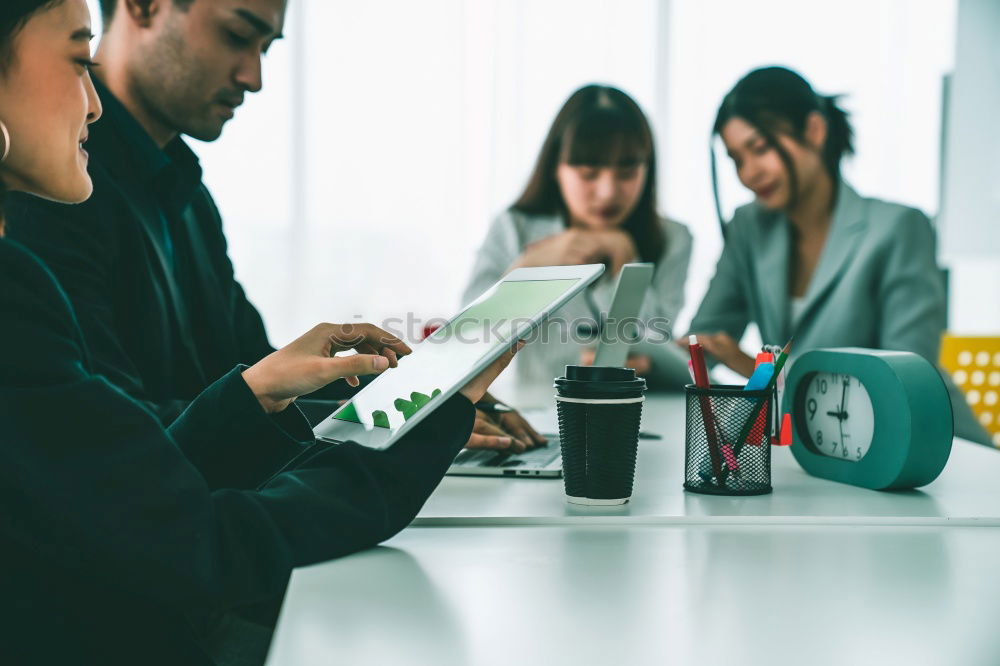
{"type": "Point", "coordinates": [812, 407]}
{"type": "Point", "coordinates": [819, 438]}
{"type": "Point", "coordinates": [845, 452]}
{"type": "Point", "coordinates": [823, 386]}
{"type": "Point", "coordinates": [859, 453]}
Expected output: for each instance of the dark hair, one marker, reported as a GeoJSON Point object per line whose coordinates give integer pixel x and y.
{"type": "Point", "coordinates": [776, 100]}
{"type": "Point", "coordinates": [13, 15]}
{"type": "Point", "coordinates": [108, 9]}
{"type": "Point", "coordinates": [599, 126]}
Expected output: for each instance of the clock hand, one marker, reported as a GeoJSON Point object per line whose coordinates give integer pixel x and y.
{"type": "Point", "coordinates": [843, 414]}
{"type": "Point", "coordinates": [843, 400]}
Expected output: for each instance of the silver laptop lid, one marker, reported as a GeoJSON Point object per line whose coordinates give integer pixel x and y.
{"type": "Point", "coordinates": [619, 328]}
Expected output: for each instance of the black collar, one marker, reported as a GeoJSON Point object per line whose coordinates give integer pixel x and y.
{"type": "Point", "coordinates": [125, 149]}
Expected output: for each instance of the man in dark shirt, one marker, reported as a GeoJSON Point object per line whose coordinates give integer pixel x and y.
{"type": "Point", "coordinates": [144, 260]}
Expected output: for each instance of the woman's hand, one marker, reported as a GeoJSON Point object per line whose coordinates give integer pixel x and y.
{"type": "Point", "coordinates": [581, 246]}
{"type": "Point", "coordinates": [567, 248]}
{"type": "Point", "coordinates": [726, 350]}
{"type": "Point", "coordinates": [617, 248]}
{"type": "Point", "coordinates": [641, 363]}
{"type": "Point", "coordinates": [477, 387]}
{"type": "Point", "coordinates": [308, 363]}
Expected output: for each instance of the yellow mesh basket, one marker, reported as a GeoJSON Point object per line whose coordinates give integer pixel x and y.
{"type": "Point", "coordinates": [974, 365]}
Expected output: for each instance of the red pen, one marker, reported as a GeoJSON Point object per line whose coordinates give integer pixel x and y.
{"type": "Point", "coordinates": [701, 381]}
{"type": "Point", "coordinates": [698, 362]}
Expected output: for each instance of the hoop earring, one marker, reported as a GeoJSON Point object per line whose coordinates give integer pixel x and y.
{"type": "Point", "coordinates": [6, 142]}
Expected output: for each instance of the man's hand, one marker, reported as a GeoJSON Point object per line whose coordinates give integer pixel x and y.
{"type": "Point", "coordinates": [508, 431]}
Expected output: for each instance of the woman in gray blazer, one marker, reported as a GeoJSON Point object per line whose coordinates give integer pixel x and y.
{"type": "Point", "coordinates": [590, 199]}
{"type": "Point", "coordinates": [810, 257]}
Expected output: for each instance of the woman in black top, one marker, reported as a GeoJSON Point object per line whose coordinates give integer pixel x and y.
{"type": "Point", "coordinates": [118, 537]}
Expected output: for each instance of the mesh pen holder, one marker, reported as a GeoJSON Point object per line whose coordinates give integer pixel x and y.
{"type": "Point", "coordinates": [734, 458]}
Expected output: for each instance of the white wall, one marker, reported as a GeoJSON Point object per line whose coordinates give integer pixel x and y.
{"type": "Point", "coordinates": [888, 57]}
{"type": "Point", "coordinates": [422, 121]}
{"type": "Point", "coordinates": [95, 16]}
{"type": "Point", "coordinates": [361, 180]}
{"type": "Point", "coordinates": [970, 217]}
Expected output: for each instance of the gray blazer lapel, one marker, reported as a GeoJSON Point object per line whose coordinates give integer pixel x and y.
{"type": "Point", "coordinates": [771, 274]}
{"type": "Point", "coordinates": [848, 222]}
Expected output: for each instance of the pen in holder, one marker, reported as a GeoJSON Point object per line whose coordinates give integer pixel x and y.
{"type": "Point", "coordinates": [741, 435]}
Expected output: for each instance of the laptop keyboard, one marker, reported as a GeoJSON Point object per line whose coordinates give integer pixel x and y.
{"type": "Point", "coordinates": [540, 456]}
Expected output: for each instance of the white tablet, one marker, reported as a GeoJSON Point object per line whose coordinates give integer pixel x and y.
{"type": "Point", "coordinates": [445, 361]}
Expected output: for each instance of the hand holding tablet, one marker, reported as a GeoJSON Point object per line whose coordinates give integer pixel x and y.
{"type": "Point", "coordinates": [308, 363]}
{"type": "Point", "coordinates": [446, 361]}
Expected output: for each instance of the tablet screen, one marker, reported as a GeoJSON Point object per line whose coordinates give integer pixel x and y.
{"type": "Point", "coordinates": [445, 357]}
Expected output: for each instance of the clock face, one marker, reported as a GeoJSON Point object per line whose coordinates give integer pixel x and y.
{"type": "Point", "coordinates": [837, 416]}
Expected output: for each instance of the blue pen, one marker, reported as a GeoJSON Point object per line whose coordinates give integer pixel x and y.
{"type": "Point", "coordinates": [758, 381]}
{"type": "Point", "coordinates": [760, 377]}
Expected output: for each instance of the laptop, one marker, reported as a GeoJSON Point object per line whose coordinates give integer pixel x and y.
{"type": "Point", "coordinates": [612, 351]}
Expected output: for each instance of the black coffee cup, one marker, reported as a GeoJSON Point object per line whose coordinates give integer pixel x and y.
{"type": "Point", "coordinates": [599, 413]}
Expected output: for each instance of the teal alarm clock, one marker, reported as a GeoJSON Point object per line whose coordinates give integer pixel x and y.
{"type": "Point", "coordinates": [871, 418]}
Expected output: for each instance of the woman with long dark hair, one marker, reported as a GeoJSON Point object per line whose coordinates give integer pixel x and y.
{"type": "Point", "coordinates": [591, 198]}
{"type": "Point", "coordinates": [810, 256]}
{"type": "Point", "coordinates": [122, 541]}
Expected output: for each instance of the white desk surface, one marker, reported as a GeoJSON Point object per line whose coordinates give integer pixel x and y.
{"type": "Point", "coordinates": [966, 493]}
{"type": "Point", "coordinates": [658, 594]}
